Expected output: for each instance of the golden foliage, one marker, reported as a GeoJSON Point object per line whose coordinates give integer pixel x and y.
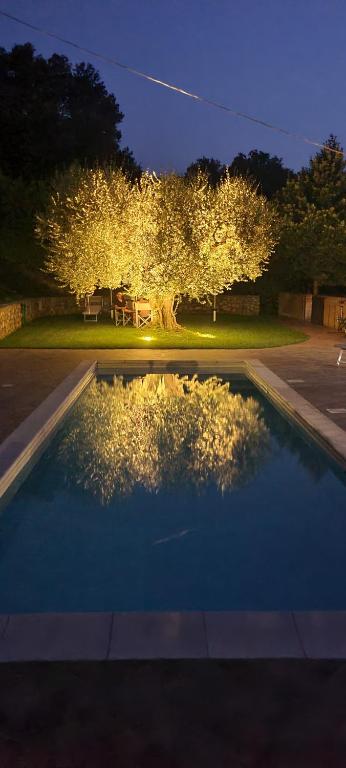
{"type": "Point", "coordinates": [85, 230]}
{"type": "Point", "coordinates": [162, 237]}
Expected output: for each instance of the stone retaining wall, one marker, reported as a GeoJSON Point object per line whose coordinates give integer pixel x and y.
{"type": "Point", "coordinates": [10, 318]}
{"type": "Point", "coordinates": [12, 315]}
{"type": "Point", "coordinates": [49, 305]}
{"type": "Point", "coordinates": [233, 304]}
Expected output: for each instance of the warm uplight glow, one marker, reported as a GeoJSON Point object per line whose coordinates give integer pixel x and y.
{"type": "Point", "coordinates": [206, 335]}
{"type": "Point", "coordinates": [160, 431]}
{"type": "Point", "coordinates": [163, 237]}
{"type": "Point", "coordinates": [148, 338]}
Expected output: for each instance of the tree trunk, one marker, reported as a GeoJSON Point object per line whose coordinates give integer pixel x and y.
{"type": "Point", "coordinates": [165, 314]}
{"type": "Point", "coordinates": [315, 287]}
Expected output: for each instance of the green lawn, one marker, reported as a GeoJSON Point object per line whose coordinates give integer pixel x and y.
{"type": "Point", "coordinates": [233, 332]}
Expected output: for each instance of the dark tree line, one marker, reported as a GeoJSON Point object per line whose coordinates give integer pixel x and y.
{"type": "Point", "coordinates": [265, 171]}
{"type": "Point", "coordinates": [52, 115]}
{"type": "Point", "coordinates": [312, 209]}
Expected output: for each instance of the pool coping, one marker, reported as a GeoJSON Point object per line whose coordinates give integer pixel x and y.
{"type": "Point", "coordinates": [328, 435]}
{"type": "Point", "coordinates": [30, 437]}
{"type": "Point", "coordinates": [173, 634]}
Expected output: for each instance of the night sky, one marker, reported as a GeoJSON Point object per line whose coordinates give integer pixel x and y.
{"type": "Point", "coordinates": [280, 60]}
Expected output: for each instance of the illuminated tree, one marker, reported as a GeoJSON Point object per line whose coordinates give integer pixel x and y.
{"type": "Point", "coordinates": [161, 237]}
{"type": "Point", "coordinates": [162, 257]}
{"type": "Point", "coordinates": [85, 230]}
{"type": "Point", "coordinates": [160, 430]}
{"type": "Point", "coordinates": [232, 234]}
{"type": "Point", "coordinates": [196, 240]}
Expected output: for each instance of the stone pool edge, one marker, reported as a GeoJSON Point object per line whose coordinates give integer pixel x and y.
{"type": "Point", "coordinates": [172, 635]}
{"type": "Point", "coordinates": [30, 437]}
{"type": "Point", "coordinates": [329, 436]}
{"type": "Point", "coordinates": [168, 635]}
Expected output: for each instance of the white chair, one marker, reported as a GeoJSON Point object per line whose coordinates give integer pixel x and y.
{"type": "Point", "coordinates": [93, 307]}
{"type": "Point", "coordinates": [121, 316]}
{"type": "Point", "coordinates": [143, 313]}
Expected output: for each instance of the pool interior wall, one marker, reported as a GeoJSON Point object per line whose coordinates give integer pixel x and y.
{"type": "Point", "coordinates": [274, 541]}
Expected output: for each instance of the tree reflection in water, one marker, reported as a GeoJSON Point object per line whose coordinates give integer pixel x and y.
{"type": "Point", "coordinates": [160, 431]}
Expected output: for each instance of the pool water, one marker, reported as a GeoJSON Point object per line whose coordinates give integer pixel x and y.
{"type": "Point", "coordinates": [162, 493]}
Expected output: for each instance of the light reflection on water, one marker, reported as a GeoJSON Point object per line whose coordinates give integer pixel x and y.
{"type": "Point", "coordinates": [160, 431]}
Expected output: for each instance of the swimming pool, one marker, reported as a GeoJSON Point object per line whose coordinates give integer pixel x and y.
{"type": "Point", "coordinates": [164, 492]}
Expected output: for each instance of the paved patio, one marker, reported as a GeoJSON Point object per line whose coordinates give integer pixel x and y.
{"type": "Point", "coordinates": [28, 376]}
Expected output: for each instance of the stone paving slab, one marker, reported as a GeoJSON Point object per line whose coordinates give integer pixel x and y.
{"type": "Point", "coordinates": [246, 635]}
{"type": "Point", "coordinates": [153, 635]}
{"type": "Point", "coordinates": [323, 634]}
{"type": "Point", "coordinates": [56, 637]}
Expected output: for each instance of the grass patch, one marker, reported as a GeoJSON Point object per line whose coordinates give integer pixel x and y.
{"type": "Point", "coordinates": [229, 332]}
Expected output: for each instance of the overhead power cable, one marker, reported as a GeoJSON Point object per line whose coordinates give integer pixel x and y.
{"type": "Point", "coordinates": [171, 87]}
